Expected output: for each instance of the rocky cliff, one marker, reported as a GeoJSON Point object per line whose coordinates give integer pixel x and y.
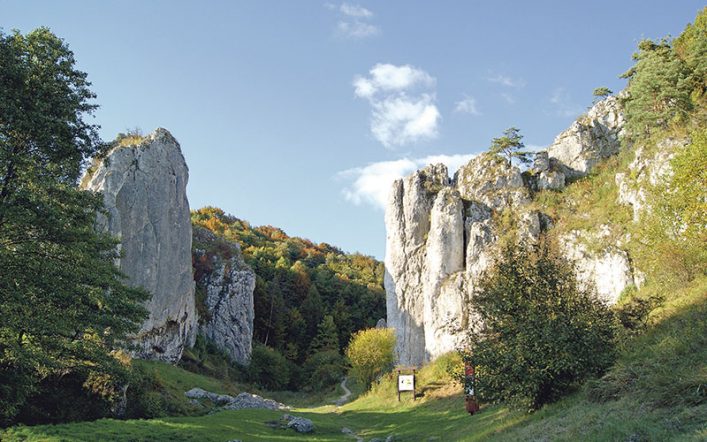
{"type": "Point", "coordinates": [143, 181]}
{"type": "Point", "coordinates": [224, 285]}
{"type": "Point", "coordinates": [442, 233]}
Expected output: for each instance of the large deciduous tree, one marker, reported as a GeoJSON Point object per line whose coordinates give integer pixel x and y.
{"type": "Point", "coordinates": [538, 334]}
{"type": "Point", "coordinates": [63, 303]}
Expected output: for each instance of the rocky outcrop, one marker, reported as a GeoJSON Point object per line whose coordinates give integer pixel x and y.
{"type": "Point", "coordinates": [442, 234]}
{"type": "Point", "coordinates": [608, 270]}
{"type": "Point", "coordinates": [590, 139]}
{"type": "Point", "coordinates": [408, 217]}
{"type": "Point", "coordinates": [646, 170]}
{"type": "Point", "coordinates": [242, 401]}
{"type": "Point", "coordinates": [225, 287]}
{"type": "Point", "coordinates": [143, 181]}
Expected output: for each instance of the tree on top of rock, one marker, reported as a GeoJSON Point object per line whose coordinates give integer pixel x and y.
{"type": "Point", "coordinates": [509, 147]}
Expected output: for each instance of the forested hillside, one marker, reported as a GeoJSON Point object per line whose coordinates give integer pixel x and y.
{"type": "Point", "coordinates": [308, 297]}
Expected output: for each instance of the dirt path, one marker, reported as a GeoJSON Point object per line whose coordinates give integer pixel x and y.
{"type": "Point", "coordinates": [347, 393]}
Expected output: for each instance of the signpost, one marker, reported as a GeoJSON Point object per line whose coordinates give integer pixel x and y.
{"type": "Point", "coordinates": [472, 406]}
{"type": "Point", "coordinates": [406, 382]}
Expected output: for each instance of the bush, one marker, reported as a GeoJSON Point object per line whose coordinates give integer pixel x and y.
{"type": "Point", "coordinates": [371, 353]}
{"type": "Point", "coordinates": [324, 369]}
{"type": "Point", "coordinates": [268, 368]}
{"type": "Point", "coordinates": [540, 335]}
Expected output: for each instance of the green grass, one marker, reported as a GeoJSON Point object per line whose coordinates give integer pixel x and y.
{"type": "Point", "coordinates": [655, 392]}
{"type": "Point", "coordinates": [178, 380]}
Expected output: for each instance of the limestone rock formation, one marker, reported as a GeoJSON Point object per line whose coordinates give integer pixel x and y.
{"type": "Point", "coordinates": [646, 170]}
{"type": "Point", "coordinates": [609, 270]}
{"type": "Point", "coordinates": [144, 190]}
{"type": "Point", "coordinates": [408, 216]}
{"type": "Point", "coordinates": [226, 291]}
{"type": "Point", "coordinates": [590, 139]}
{"type": "Point", "coordinates": [443, 234]}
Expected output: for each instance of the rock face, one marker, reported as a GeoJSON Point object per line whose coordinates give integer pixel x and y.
{"type": "Point", "coordinates": [646, 170]}
{"type": "Point", "coordinates": [227, 293]}
{"type": "Point", "coordinates": [144, 191]}
{"type": "Point", "coordinates": [609, 270]}
{"type": "Point", "coordinates": [443, 234]}
{"type": "Point", "coordinates": [589, 139]}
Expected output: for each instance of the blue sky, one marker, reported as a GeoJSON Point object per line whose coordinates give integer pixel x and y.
{"type": "Point", "coordinates": [299, 113]}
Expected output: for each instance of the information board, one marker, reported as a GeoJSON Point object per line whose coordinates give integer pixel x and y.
{"type": "Point", "coordinates": [406, 382]}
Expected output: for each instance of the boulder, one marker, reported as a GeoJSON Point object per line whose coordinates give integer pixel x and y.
{"type": "Point", "coordinates": [299, 424]}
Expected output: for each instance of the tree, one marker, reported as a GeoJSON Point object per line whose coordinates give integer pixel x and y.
{"type": "Point", "coordinates": [601, 92]}
{"type": "Point", "coordinates": [538, 334]}
{"type": "Point", "coordinates": [371, 353]}
{"type": "Point", "coordinates": [327, 338]}
{"type": "Point", "coordinates": [508, 147]}
{"type": "Point", "coordinates": [63, 303]}
{"type": "Point", "coordinates": [659, 88]}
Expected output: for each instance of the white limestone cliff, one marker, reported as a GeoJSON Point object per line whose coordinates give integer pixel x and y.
{"type": "Point", "coordinates": [442, 234]}
{"type": "Point", "coordinates": [144, 191]}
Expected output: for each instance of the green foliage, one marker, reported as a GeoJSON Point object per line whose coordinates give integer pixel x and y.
{"type": "Point", "coordinates": [540, 335]}
{"type": "Point", "coordinates": [324, 369]}
{"type": "Point", "coordinates": [371, 353]}
{"type": "Point", "coordinates": [63, 302]}
{"type": "Point", "coordinates": [268, 368]}
{"type": "Point", "coordinates": [665, 365]}
{"type": "Point", "coordinates": [326, 338]}
{"type": "Point", "coordinates": [298, 283]}
{"type": "Point", "coordinates": [668, 82]}
{"type": "Point", "coordinates": [673, 233]}
{"type": "Point", "coordinates": [508, 147]}
{"type": "Point", "coordinates": [602, 92]}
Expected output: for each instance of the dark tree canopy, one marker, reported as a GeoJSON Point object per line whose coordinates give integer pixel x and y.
{"type": "Point", "coordinates": [63, 302]}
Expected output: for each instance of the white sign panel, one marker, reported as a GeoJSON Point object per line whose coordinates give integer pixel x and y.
{"type": "Point", "coordinates": [406, 382]}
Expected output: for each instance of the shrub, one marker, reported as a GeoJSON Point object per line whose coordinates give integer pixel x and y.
{"type": "Point", "coordinates": [371, 353]}
{"type": "Point", "coordinates": [324, 369]}
{"type": "Point", "coordinates": [268, 368]}
{"type": "Point", "coordinates": [539, 334]}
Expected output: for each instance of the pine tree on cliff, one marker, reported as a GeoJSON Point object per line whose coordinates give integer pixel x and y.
{"type": "Point", "coordinates": [509, 147]}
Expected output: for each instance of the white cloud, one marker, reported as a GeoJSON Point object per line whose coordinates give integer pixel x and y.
{"type": "Point", "coordinates": [507, 81]}
{"type": "Point", "coordinates": [357, 29]}
{"type": "Point", "coordinates": [371, 184]}
{"type": "Point", "coordinates": [510, 99]}
{"type": "Point", "coordinates": [467, 105]}
{"type": "Point", "coordinates": [402, 100]}
{"type": "Point", "coordinates": [355, 10]}
{"type": "Point", "coordinates": [563, 103]}
{"type": "Point", "coordinates": [354, 20]}
{"type": "Point", "coordinates": [386, 77]}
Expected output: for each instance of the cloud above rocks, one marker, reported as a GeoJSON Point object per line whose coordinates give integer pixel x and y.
{"type": "Point", "coordinates": [403, 103]}
{"type": "Point", "coordinates": [371, 184]}
{"type": "Point", "coordinates": [508, 81]}
{"type": "Point", "coordinates": [467, 105]}
{"type": "Point", "coordinates": [354, 20]}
